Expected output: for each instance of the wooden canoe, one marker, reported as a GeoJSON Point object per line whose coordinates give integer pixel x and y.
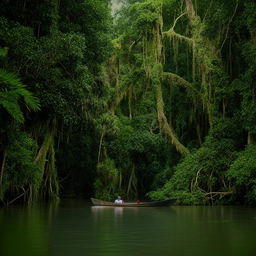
{"type": "Point", "coordinates": [98, 202]}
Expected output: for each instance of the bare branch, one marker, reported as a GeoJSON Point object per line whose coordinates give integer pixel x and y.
{"type": "Point", "coordinates": [134, 43]}
{"type": "Point", "coordinates": [220, 194]}
{"type": "Point", "coordinates": [176, 20]}
{"type": "Point", "coordinates": [16, 198]}
{"type": "Point", "coordinates": [206, 13]}
{"type": "Point", "coordinates": [230, 20]}
{"type": "Point", "coordinates": [171, 32]}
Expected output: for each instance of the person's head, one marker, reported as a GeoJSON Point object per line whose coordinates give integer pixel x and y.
{"type": "Point", "coordinates": [119, 197]}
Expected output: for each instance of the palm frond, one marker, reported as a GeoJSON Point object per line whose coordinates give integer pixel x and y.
{"type": "Point", "coordinates": [11, 91]}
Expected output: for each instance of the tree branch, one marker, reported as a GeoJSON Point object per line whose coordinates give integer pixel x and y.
{"type": "Point", "coordinates": [172, 33]}
{"type": "Point", "coordinates": [230, 20]}
{"type": "Point", "coordinates": [21, 195]}
{"type": "Point", "coordinates": [178, 80]}
{"type": "Point", "coordinates": [134, 43]}
{"type": "Point", "coordinates": [221, 194]}
{"type": "Point", "coordinates": [165, 126]}
{"type": "Point", "coordinates": [176, 20]}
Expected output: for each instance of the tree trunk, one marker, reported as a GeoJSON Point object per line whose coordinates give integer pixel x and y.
{"type": "Point", "coordinates": [100, 145]}
{"type": "Point", "coordinates": [132, 182]}
{"type": "Point", "coordinates": [153, 50]}
{"type": "Point", "coordinates": [165, 126]}
{"type": "Point", "coordinates": [45, 160]}
{"type": "Point", "coordinates": [190, 9]}
{"type": "Point", "coordinates": [250, 138]}
{"type": "Point", "coordinates": [2, 171]}
{"type": "Point", "coordinates": [204, 50]}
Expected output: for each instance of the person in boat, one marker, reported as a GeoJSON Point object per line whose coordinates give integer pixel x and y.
{"type": "Point", "coordinates": [119, 200]}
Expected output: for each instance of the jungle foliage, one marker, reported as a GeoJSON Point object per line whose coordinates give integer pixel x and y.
{"type": "Point", "coordinates": [157, 101]}
{"type": "Point", "coordinates": [193, 64]}
{"type": "Point", "coordinates": [51, 63]}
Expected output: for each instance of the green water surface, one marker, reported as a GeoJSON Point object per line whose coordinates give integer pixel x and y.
{"type": "Point", "coordinates": [74, 228]}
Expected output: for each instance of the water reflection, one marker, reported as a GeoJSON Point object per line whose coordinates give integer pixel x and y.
{"type": "Point", "coordinates": [26, 231]}
{"type": "Point", "coordinates": [118, 211]}
{"type": "Point", "coordinates": [74, 228]}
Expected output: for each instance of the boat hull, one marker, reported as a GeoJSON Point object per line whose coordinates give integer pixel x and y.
{"type": "Point", "coordinates": [97, 202]}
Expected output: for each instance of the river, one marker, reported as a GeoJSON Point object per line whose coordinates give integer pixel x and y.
{"type": "Point", "coordinates": [75, 228]}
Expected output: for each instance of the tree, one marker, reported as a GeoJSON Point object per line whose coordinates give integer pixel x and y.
{"type": "Point", "coordinates": [12, 94]}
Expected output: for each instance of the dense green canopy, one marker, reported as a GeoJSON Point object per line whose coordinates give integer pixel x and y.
{"type": "Point", "coordinates": [156, 101]}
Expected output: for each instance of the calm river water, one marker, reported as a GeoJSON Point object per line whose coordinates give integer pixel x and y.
{"type": "Point", "coordinates": [75, 228]}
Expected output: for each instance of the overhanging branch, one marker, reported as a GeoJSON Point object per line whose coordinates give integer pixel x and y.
{"type": "Point", "coordinates": [172, 34]}
{"type": "Point", "coordinates": [178, 80]}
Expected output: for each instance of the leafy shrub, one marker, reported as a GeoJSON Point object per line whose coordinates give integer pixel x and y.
{"type": "Point", "coordinates": [107, 180]}
{"type": "Point", "coordinates": [21, 171]}
{"type": "Point", "coordinates": [242, 173]}
{"type": "Point", "coordinates": [200, 172]}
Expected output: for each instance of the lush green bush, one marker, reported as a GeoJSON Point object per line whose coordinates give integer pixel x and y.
{"type": "Point", "coordinates": [242, 174]}
{"type": "Point", "coordinates": [20, 170]}
{"type": "Point", "coordinates": [199, 173]}
{"type": "Point", "coordinates": [106, 183]}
